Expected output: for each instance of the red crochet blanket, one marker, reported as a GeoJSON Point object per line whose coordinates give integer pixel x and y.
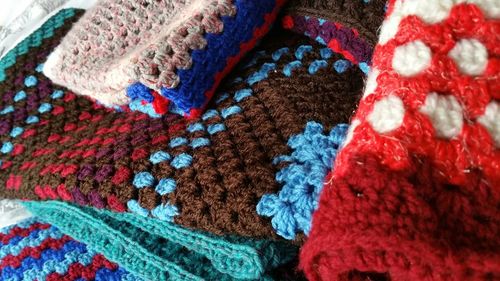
{"type": "Point", "coordinates": [416, 189]}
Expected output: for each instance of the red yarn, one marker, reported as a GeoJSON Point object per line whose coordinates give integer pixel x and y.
{"type": "Point", "coordinates": [287, 22]}
{"type": "Point", "coordinates": [64, 193]}
{"type": "Point", "coordinates": [13, 182]}
{"type": "Point", "coordinates": [122, 174]}
{"type": "Point", "coordinates": [404, 199]}
{"type": "Point", "coordinates": [18, 231]}
{"type": "Point", "coordinates": [28, 133]}
{"type": "Point", "coordinates": [115, 204]}
{"type": "Point", "coordinates": [160, 103]}
{"type": "Point", "coordinates": [35, 252]}
{"type": "Point", "coordinates": [77, 270]}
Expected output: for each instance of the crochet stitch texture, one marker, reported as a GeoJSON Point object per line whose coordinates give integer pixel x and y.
{"type": "Point", "coordinates": [416, 188]}
{"type": "Point", "coordinates": [348, 28]}
{"type": "Point", "coordinates": [179, 49]}
{"type": "Point", "coordinates": [157, 250]}
{"type": "Point", "coordinates": [34, 250]}
{"type": "Point", "coordinates": [207, 173]}
{"type": "Point", "coordinates": [364, 16]}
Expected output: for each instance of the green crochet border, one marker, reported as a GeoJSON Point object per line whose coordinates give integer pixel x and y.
{"type": "Point", "coordinates": [35, 39]}
{"type": "Point", "coordinates": [122, 238]}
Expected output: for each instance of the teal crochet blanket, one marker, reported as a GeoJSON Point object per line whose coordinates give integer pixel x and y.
{"type": "Point", "coordinates": [158, 250]}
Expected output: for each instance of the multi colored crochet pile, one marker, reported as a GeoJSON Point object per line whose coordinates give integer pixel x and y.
{"type": "Point", "coordinates": [34, 250]}
{"type": "Point", "coordinates": [416, 189]}
{"type": "Point", "coordinates": [95, 144]}
{"type": "Point", "coordinates": [158, 51]}
{"type": "Point", "coordinates": [253, 164]}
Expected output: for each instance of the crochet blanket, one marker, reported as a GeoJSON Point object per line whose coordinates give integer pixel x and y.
{"type": "Point", "coordinates": [159, 51]}
{"type": "Point", "coordinates": [416, 189]}
{"type": "Point", "coordinates": [170, 198]}
{"type": "Point", "coordinates": [253, 164]}
{"type": "Point", "coordinates": [158, 250]}
{"type": "Point", "coordinates": [34, 250]}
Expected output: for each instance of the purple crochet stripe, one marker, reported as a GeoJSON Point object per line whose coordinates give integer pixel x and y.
{"type": "Point", "coordinates": [325, 32]}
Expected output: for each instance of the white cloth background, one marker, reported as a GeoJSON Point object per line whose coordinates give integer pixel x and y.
{"type": "Point", "coordinates": [18, 19]}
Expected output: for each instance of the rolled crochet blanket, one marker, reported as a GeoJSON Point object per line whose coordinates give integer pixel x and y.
{"type": "Point", "coordinates": [253, 164]}
{"type": "Point", "coordinates": [35, 250]}
{"type": "Point", "coordinates": [156, 250]}
{"type": "Point", "coordinates": [123, 50]}
{"type": "Point", "coordinates": [416, 189]}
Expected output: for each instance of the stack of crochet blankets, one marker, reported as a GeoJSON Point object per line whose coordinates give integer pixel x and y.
{"type": "Point", "coordinates": [254, 140]}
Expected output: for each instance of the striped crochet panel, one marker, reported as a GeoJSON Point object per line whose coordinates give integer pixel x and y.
{"type": "Point", "coordinates": [207, 173]}
{"type": "Point", "coordinates": [348, 27]}
{"type": "Point", "coordinates": [33, 250]}
{"type": "Point", "coordinates": [416, 188]}
{"type": "Point", "coordinates": [340, 39]}
{"type": "Point", "coordinates": [362, 16]}
{"type": "Point", "coordinates": [160, 51]}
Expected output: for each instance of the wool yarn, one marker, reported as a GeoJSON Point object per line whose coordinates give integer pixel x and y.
{"type": "Point", "coordinates": [253, 164]}
{"type": "Point", "coordinates": [416, 188]}
{"type": "Point", "coordinates": [122, 50]}
{"type": "Point", "coordinates": [347, 27]}
{"type": "Point", "coordinates": [156, 250]}
{"type": "Point", "coordinates": [35, 250]}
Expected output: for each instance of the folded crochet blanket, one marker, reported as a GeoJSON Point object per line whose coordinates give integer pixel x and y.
{"type": "Point", "coordinates": [416, 189]}
{"type": "Point", "coordinates": [35, 250]}
{"type": "Point", "coordinates": [180, 50]}
{"type": "Point", "coordinates": [252, 165]}
{"type": "Point", "coordinates": [158, 250]}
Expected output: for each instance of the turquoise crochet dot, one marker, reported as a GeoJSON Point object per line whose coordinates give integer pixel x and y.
{"type": "Point", "coordinates": [165, 212]}
{"type": "Point", "coordinates": [326, 53]}
{"type": "Point", "coordinates": [39, 68]}
{"type": "Point", "coordinates": [30, 81]}
{"type": "Point", "coordinates": [57, 94]}
{"type": "Point", "coordinates": [215, 128]}
{"type": "Point", "coordinates": [199, 142]}
{"type": "Point", "coordinates": [195, 127]}
{"type": "Point", "coordinates": [45, 107]}
{"type": "Point", "coordinates": [6, 147]}
{"type": "Point", "coordinates": [143, 179]}
{"type": "Point", "coordinates": [20, 96]}
{"type": "Point", "coordinates": [135, 207]}
{"type": "Point", "coordinates": [209, 114]}
{"type": "Point", "coordinates": [7, 109]}
{"type": "Point", "coordinates": [241, 94]}
{"type": "Point", "coordinates": [226, 112]}
{"type": "Point", "coordinates": [159, 157]}
{"type": "Point", "coordinates": [175, 142]}
{"type": "Point", "coordinates": [182, 160]}
{"type": "Point", "coordinates": [341, 65]}
{"type": "Point", "coordinates": [364, 67]}
{"type": "Point", "coordinates": [221, 98]}
{"type": "Point", "coordinates": [166, 186]}
{"type": "Point", "coordinates": [16, 131]}
{"type": "Point", "coordinates": [32, 119]}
